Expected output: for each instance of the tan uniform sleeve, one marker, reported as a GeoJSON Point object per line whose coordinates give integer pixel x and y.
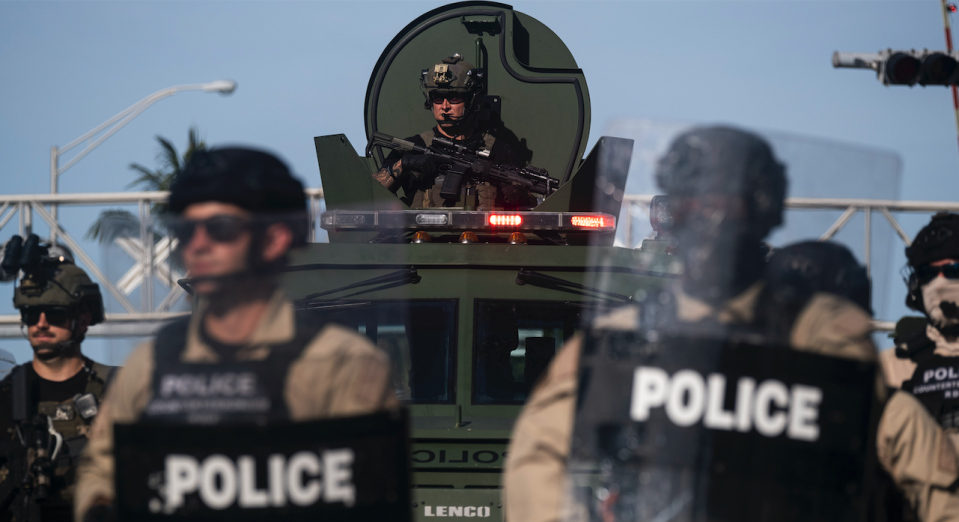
{"type": "Point", "coordinates": [127, 396]}
{"type": "Point", "coordinates": [340, 374]}
{"type": "Point", "coordinates": [834, 326]}
{"type": "Point", "coordinates": [534, 481]}
{"type": "Point", "coordinates": [921, 457]}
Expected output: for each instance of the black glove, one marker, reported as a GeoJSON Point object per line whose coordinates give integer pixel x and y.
{"type": "Point", "coordinates": [420, 166]}
{"type": "Point", "coordinates": [100, 513]}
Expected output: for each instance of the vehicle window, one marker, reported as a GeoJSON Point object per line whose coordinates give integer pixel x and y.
{"type": "Point", "coordinates": [418, 335]}
{"type": "Point", "coordinates": [513, 343]}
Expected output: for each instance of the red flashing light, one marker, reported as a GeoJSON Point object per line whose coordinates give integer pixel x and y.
{"type": "Point", "coordinates": [501, 220]}
{"type": "Point", "coordinates": [591, 222]}
{"type": "Point", "coordinates": [951, 7]}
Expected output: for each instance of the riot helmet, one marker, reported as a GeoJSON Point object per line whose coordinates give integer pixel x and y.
{"type": "Point", "coordinates": [797, 271]}
{"type": "Point", "coordinates": [257, 182]}
{"type": "Point", "coordinates": [935, 297]}
{"type": "Point", "coordinates": [726, 192]}
{"type": "Point", "coordinates": [453, 75]}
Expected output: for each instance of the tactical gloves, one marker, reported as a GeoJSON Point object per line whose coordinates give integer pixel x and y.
{"type": "Point", "coordinates": [421, 167]}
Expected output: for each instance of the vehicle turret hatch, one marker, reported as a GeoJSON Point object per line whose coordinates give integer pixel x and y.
{"type": "Point", "coordinates": [536, 96]}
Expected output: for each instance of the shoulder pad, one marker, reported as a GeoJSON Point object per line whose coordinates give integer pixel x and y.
{"type": "Point", "coordinates": [911, 346]}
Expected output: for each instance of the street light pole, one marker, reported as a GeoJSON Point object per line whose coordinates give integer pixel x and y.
{"type": "Point", "coordinates": [118, 121]}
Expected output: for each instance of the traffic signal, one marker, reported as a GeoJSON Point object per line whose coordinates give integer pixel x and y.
{"type": "Point", "coordinates": [905, 67]}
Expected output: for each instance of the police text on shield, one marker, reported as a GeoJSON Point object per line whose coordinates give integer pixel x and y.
{"type": "Point", "coordinates": [302, 479]}
{"type": "Point", "coordinates": [770, 407]}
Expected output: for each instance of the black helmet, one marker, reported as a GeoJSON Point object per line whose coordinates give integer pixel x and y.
{"type": "Point", "coordinates": [248, 178]}
{"type": "Point", "coordinates": [802, 269]}
{"type": "Point", "coordinates": [723, 161]}
{"type": "Point", "coordinates": [937, 240]}
{"type": "Point", "coordinates": [726, 192]}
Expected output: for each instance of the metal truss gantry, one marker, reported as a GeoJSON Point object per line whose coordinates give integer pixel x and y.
{"type": "Point", "coordinates": [151, 256]}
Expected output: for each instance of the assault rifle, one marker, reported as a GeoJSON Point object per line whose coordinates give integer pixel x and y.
{"type": "Point", "coordinates": [30, 456]}
{"type": "Point", "coordinates": [461, 164]}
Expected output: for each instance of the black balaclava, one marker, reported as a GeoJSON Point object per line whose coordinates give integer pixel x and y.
{"type": "Point", "coordinates": [726, 193]}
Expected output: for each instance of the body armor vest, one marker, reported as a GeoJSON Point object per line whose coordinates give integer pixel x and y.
{"type": "Point", "coordinates": [73, 427]}
{"type": "Point", "coordinates": [227, 392]}
{"type": "Point", "coordinates": [430, 198]}
{"type": "Point", "coordinates": [936, 384]}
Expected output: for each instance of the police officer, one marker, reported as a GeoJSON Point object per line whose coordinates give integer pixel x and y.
{"type": "Point", "coordinates": [238, 211]}
{"type": "Point", "coordinates": [925, 361]}
{"type": "Point", "coordinates": [57, 303]}
{"type": "Point", "coordinates": [726, 194]}
{"type": "Point", "coordinates": [795, 273]}
{"type": "Point", "coordinates": [453, 91]}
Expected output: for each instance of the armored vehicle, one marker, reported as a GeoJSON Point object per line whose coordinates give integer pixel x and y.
{"type": "Point", "coordinates": [472, 304]}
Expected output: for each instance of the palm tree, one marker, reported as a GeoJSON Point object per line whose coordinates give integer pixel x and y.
{"type": "Point", "coordinates": [114, 223]}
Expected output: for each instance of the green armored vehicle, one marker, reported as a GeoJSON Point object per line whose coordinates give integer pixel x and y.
{"type": "Point", "coordinates": [472, 304]}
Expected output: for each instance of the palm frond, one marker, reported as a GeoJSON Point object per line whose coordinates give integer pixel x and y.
{"type": "Point", "coordinates": [149, 179]}
{"type": "Point", "coordinates": [196, 144]}
{"type": "Point", "coordinates": [168, 155]}
{"type": "Point", "coordinates": [113, 223]}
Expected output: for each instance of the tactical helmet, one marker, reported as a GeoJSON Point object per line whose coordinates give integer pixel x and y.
{"type": "Point", "coordinates": [726, 193]}
{"type": "Point", "coordinates": [248, 178]}
{"type": "Point", "coordinates": [65, 285]}
{"type": "Point", "coordinates": [804, 268]}
{"type": "Point", "coordinates": [723, 161]}
{"type": "Point", "coordinates": [937, 240]}
{"type": "Point", "coordinates": [453, 74]}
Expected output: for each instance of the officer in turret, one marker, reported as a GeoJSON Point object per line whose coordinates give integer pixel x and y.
{"type": "Point", "coordinates": [926, 362]}
{"type": "Point", "coordinates": [453, 91]}
{"type": "Point", "coordinates": [59, 390]}
{"type": "Point", "coordinates": [726, 194]}
{"type": "Point", "coordinates": [238, 213]}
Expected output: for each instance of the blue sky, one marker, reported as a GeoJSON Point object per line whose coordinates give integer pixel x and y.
{"type": "Point", "coordinates": [302, 69]}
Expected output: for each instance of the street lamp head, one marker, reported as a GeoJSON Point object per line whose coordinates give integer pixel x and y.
{"type": "Point", "coordinates": [220, 86]}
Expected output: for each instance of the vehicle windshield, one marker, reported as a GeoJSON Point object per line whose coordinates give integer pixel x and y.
{"type": "Point", "coordinates": [418, 335]}
{"type": "Point", "coordinates": [513, 343]}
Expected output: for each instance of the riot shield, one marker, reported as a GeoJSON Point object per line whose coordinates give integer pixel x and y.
{"type": "Point", "coordinates": [744, 388]}
{"type": "Point", "coordinates": [351, 468]}
{"type": "Point", "coordinates": [257, 410]}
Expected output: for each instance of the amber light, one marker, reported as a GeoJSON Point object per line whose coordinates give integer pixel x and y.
{"type": "Point", "coordinates": [499, 220]}
{"type": "Point", "coordinates": [591, 222]}
{"type": "Point", "coordinates": [421, 237]}
{"type": "Point", "coordinates": [468, 237]}
{"type": "Point", "coordinates": [517, 238]}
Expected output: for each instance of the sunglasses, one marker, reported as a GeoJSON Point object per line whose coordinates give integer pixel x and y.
{"type": "Point", "coordinates": [452, 97]}
{"type": "Point", "coordinates": [222, 229]}
{"type": "Point", "coordinates": [927, 273]}
{"type": "Point", "coordinates": [56, 316]}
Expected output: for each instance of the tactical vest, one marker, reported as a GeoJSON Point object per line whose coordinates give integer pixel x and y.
{"type": "Point", "coordinates": [430, 197]}
{"type": "Point", "coordinates": [72, 426]}
{"type": "Point", "coordinates": [936, 384]}
{"type": "Point", "coordinates": [226, 392]}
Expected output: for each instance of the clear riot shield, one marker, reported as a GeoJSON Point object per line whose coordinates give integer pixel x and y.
{"type": "Point", "coordinates": [257, 409]}
{"type": "Point", "coordinates": [742, 389]}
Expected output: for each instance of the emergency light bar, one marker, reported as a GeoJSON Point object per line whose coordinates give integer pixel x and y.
{"type": "Point", "coordinates": [461, 220]}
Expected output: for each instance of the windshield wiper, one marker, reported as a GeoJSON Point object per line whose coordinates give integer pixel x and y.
{"type": "Point", "coordinates": [333, 306]}
{"type": "Point", "coordinates": [527, 277]}
{"type": "Point", "coordinates": [393, 279]}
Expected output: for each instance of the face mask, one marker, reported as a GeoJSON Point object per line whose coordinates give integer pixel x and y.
{"type": "Point", "coordinates": [941, 298]}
